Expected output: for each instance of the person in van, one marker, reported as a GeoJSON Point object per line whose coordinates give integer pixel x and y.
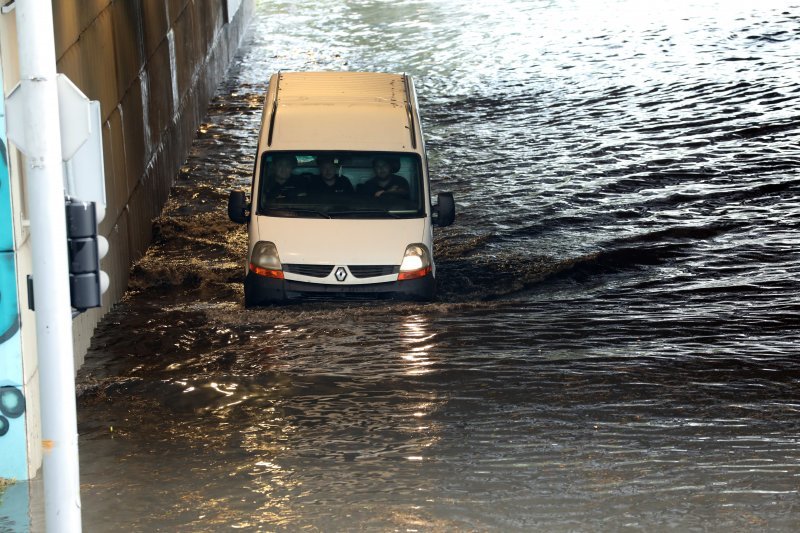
{"type": "Point", "coordinates": [282, 183]}
{"type": "Point", "coordinates": [329, 181]}
{"type": "Point", "coordinates": [385, 179]}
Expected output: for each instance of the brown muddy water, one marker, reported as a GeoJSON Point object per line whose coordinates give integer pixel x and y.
{"type": "Point", "coordinates": [615, 346]}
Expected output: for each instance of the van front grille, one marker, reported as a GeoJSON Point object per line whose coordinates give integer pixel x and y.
{"type": "Point", "coordinates": [314, 271]}
{"type": "Point", "coordinates": [372, 271]}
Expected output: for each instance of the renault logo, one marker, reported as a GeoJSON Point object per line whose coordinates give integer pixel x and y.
{"type": "Point", "coordinates": [341, 274]}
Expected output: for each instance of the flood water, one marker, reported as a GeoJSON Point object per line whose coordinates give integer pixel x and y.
{"type": "Point", "coordinates": [616, 343]}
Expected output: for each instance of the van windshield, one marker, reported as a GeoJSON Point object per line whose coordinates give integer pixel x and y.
{"type": "Point", "coordinates": [341, 185]}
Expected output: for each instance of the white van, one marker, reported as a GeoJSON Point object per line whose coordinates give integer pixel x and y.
{"type": "Point", "coordinates": [340, 200]}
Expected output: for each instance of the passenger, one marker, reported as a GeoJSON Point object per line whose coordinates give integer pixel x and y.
{"type": "Point", "coordinates": [385, 181]}
{"type": "Point", "coordinates": [282, 183]}
{"type": "Point", "coordinates": [329, 181]}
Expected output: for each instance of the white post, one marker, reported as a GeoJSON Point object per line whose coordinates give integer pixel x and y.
{"type": "Point", "coordinates": [45, 196]}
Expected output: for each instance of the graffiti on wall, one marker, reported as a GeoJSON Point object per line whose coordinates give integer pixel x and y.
{"type": "Point", "coordinates": [13, 436]}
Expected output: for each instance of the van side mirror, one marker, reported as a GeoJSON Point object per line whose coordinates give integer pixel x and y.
{"type": "Point", "coordinates": [238, 207]}
{"type": "Point", "coordinates": [444, 210]}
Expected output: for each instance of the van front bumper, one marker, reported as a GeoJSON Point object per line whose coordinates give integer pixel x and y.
{"type": "Point", "coordinates": [260, 290]}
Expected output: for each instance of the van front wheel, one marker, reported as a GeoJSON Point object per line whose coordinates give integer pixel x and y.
{"type": "Point", "coordinates": [259, 290]}
{"type": "Point", "coordinates": [417, 290]}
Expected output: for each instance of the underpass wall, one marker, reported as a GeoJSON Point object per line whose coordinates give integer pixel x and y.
{"type": "Point", "coordinates": [154, 66]}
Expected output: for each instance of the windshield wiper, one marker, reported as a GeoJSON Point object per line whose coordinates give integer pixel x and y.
{"type": "Point", "coordinates": [363, 212]}
{"type": "Point", "coordinates": [285, 211]}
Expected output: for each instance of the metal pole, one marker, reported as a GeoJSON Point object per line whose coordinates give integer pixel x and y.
{"type": "Point", "coordinates": [45, 197]}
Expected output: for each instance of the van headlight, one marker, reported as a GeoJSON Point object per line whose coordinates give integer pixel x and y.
{"type": "Point", "coordinates": [264, 260]}
{"type": "Point", "coordinates": [416, 262]}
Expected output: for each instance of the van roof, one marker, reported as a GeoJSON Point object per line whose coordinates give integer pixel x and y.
{"type": "Point", "coordinates": [340, 111]}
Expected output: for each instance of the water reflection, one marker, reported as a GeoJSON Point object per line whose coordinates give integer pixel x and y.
{"type": "Point", "coordinates": [415, 334]}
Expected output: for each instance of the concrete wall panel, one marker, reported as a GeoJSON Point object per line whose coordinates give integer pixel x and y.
{"type": "Point", "coordinates": [128, 42]}
{"type": "Point", "coordinates": [186, 55]}
{"type": "Point", "coordinates": [134, 136]}
{"type": "Point", "coordinates": [82, 335]}
{"type": "Point", "coordinates": [141, 217]}
{"type": "Point", "coordinates": [118, 262]}
{"type": "Point", "coordinates": [89, 10]}
{"type": "Point", "coordinates": [200, 13]}
{"type": "Point", "coordinates": [97, 54]}
{"type": "Point", "coordinates": [67, 24]}
{"type": "Point", "coordinates": [119, 177]}
{"type": "Point", "coordinates": [71, 64]}
{"type": "Point", "coordinates": [9, 73]}
{"type": "Point", "coordinates": [213, 16]}
{"type": "Point", "coordinates": [112, 204]}
{"type": "Point", "coordinates": [175, 8]}
{"type": "Point", "coordinates": [154, 19]}
{"type": "Point", "coordinates": [71, 18]}
{"type": "Point", "coordinates": [159, 77]}
{"type": "Point", "coordinates": [116, 177]}
{"type": "Point", "coordinates": [198, 37]}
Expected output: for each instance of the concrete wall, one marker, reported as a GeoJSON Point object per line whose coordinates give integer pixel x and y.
{"type": "Point", "coordinates": [153, 65]}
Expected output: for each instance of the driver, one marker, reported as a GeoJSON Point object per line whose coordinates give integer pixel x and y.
{"type": "Point", "coordinates": [283, 184]}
